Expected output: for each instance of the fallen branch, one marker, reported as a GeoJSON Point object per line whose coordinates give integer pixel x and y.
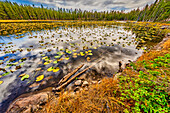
{"type": "Point", "coordinates": [73, 78]}
{"type": "Point", "coordinates": [65, 78]}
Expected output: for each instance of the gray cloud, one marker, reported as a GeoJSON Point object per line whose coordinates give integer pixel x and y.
{"type": "Point", "coordinates": [99, 5]}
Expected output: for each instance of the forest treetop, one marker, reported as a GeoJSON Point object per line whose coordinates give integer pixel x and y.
{"type": "Point", "coordinates": [158, 11]}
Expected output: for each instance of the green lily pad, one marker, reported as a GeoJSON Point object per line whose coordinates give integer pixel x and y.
{"type": "Point", "coordinates": [90, 53]}
{"type": "Point", "coordinates": [7, 73]}
{"type": "Point", "coordinates": [45, 57]}
{"type": "Point", "coordinates": [57, 56]}
{"type": "Point", "coordinates": [69, 52]}
{"type": "Point", "coordinates": [50, 69]}
{"type": "Point", "coordinates": [1, 82]}
{"type": "Point", "coordinates": [15, 63]}
{"type": "Point", "coordinates": [55, 62]}
{"type": "Point", "coordinates": [46, 63]}
{"type": "Point", "coordinates": [60, 53]}
{"type": "Point", "coordinates": [21, 64]}
{"type": "Point", "coordinates": [25, 77]}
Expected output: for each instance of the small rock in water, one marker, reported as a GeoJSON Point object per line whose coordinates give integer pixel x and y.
{"type": "Point", "coordinates": [78, 83]}
{"type": "Point", "coordinates": [85, 83]}
{"type": "Point", "coordinates": [94, 82]}
{"type": "Point", "coordinates": [164, 27]}
{"type": "Point", "coordinates": [82, 77]}
{"type": "Point", "coordinates": [168, 34]}
{"type": "Point", "coordinates": [86, 88]}
{"type": "Point", "coordinates": [99, 82]}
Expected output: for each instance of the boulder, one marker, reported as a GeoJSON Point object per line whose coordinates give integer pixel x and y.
{"type": "Point", "coordinates": [85, 83]}
{"type": "Point", "coordinates": [78, 83]}
{"type": "Point", "coordinates": [29, 103]}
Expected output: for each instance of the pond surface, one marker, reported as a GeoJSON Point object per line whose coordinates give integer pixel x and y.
{"type": "Point", "coordinates": [41, 58]}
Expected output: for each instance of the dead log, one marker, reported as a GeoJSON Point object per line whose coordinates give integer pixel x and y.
{"type": "Point", "coordinates": [74, 77]}
{"type": "Point", "coordinates": [65, 78]}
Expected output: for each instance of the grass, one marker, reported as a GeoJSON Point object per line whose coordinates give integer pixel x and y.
{"type": "Point", "coordinates": [141, 87]}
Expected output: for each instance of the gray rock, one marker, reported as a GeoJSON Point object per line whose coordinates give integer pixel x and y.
{"type": "Point", "coordinates": [94, 82]}
{"type": "Point", "coordinates": [82, 77]}
{"type": "Point", "coordinates": [78, 83]}
{"type": "Point", "coordinates": [164, 27]}
{"type": "Point", "coordinates": [28, 103]}
{"type": "Point", "coordinates": [168, 34]}
{"type": "Point", "coordinates": [86, 88]}
{"type": "Point", "coordinates": [85, 83]}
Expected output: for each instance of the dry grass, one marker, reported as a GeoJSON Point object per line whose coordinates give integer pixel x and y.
{"type": "Point", "coordinates": [166, 45]}
{"type": "Point", "coordinates": [99, 98]}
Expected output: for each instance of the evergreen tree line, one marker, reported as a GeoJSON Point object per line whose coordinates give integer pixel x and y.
{"type": "Point", "coordinates": [158, 11]}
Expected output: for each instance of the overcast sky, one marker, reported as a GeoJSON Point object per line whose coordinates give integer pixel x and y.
{"type": "Point", "coordinates": [99, 5]}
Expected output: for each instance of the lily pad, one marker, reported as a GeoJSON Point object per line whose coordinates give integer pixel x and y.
{"type": "Point", "coordinates": [67, 58]}
{"type": "Point", "coordinates": [46, 63]}
{"type": "Point", "coordinates": [88, 58]}
{"type": "Point", "coordinates": [74, 56]}
{"type": "Point", "coordinates": [22, 75]}
{"type": "Point", "coordinates": [7, 73]}
{"type": "Point", "coordinates": [38, 69]}
{"type": "Point", "coordinates": [55, 62]}
{"type": "Point", "coordinates": [56, 70]}
{"type": "Point", "coordinates": [57, 56]}
{"type": "Point", "coordinates": [25, 77]}
{"type": "Point", "coordinates": [45, 57]}
{"type": "Point", "coordinates": [15, 63]}
{"type": "Point", "coordinates": [50, 69]}
{"type": "Point", "coordinates": [39, 78]}
{"type": "Point", "coordinates": [1, 82]}
{"type": "Point", "coordinates": [60, 53]}
{"type": "Point", "coordinates": [69, 52]}
{"type": "Point", "coordinates": [21, 64]}
{"type": "Point", "coordinates": [90, 53]}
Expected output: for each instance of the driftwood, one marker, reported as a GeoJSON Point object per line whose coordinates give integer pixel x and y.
{"type": "Point", "coordinates": [65, 78]}
{"type": "Point", "coordinates": [73, 78]}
